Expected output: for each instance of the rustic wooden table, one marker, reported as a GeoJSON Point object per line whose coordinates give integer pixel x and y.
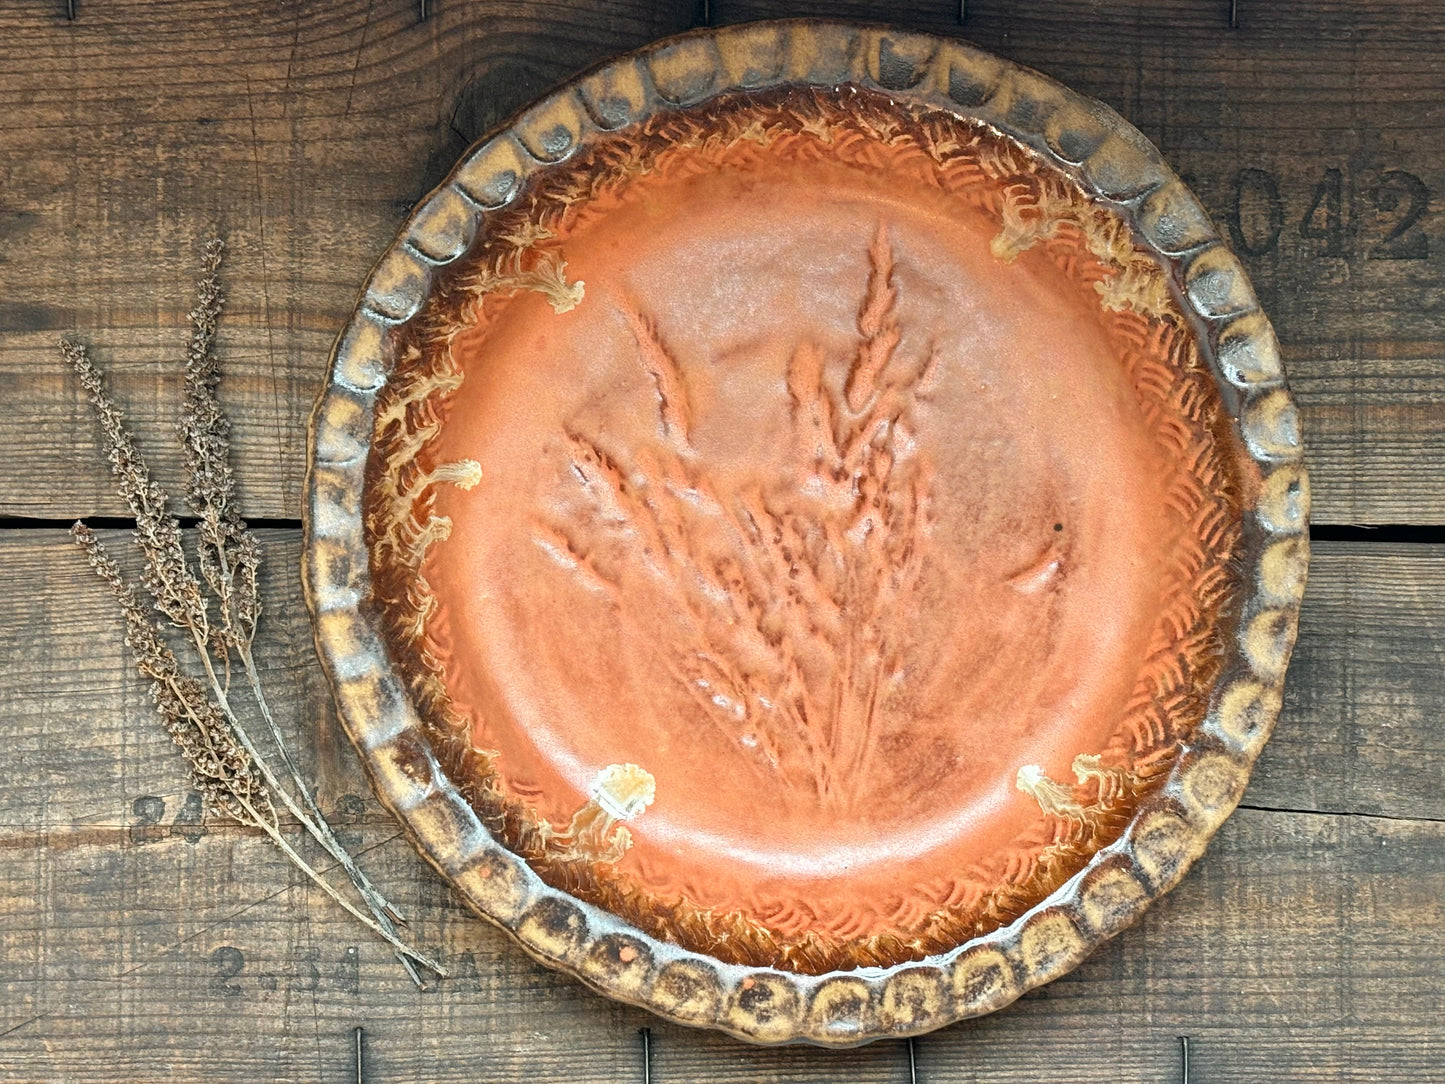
{"type": "Point", "coordinates": [138, 943]}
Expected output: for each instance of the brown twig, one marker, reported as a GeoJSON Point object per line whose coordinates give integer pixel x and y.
{"type": "Point", "coordinates": [230, 555]}
{"type": "Point", "coordinates": [229, 558]}
{"type": "Point", "coordinates": [229, 780]}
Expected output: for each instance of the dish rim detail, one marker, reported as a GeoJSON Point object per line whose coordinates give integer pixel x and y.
{"type": "Point", "coordinates": [1113, 162]}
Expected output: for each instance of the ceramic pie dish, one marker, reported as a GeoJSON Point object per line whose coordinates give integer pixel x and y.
{"type": "Point", "coordinates": [806, 528]}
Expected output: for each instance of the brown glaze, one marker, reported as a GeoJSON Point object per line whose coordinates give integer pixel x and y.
{"type": "Point", "coordinates": [810, 490]}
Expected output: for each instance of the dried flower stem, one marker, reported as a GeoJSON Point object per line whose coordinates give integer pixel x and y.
{"type": "Point", "coordinates": [230, 556]}
{"type": "Point", "coordinates": [230, 779]}
{"type": "Point", "coordinates": [315, 823]}
{"type": "Point", "coordinates": [229, 770]}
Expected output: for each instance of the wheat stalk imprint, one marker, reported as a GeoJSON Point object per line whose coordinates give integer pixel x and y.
{"type": "Point", "coordinates": [794, 597]}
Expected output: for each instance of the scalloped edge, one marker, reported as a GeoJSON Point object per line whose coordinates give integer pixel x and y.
{"type": "Point", "coordinates": [1110, 159]}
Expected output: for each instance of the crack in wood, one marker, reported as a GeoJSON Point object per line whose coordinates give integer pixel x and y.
{"type": "Point", "coordinates": [123, 523]}
{"type": "Point", "coordinates": [1342, 813]}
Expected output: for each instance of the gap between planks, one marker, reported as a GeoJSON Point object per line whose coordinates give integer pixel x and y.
{"type": "Point", "coordinates": [1382, 534]}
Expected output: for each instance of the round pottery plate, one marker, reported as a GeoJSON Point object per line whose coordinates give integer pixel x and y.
{"type": "Point", "coordinates": [806, 528]}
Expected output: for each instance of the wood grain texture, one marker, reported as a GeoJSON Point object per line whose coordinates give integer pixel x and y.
{"type": "Point", "coordinates": [304, 132]}
{"type": "Point", "coordinates": [301, 132]}
{"type": "Point", "coordinates": [139, 944]}
{"type": "Point", "coordinates": [1359, 734]}
{"type": "Point", "coordinates": [1302, 948]}
{"type": "Point", "coordinates": [1360, 731]}
{"type": "Point", "coordinates": [1306, 945]}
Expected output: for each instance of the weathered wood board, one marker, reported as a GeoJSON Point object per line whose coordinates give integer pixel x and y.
{"type": "Point", "coordinates": [139, 944]}
{"type": "Point", "coordinates": [304, 132]}
{"type": "Point", "coordinates": [1303, 948]}
{"type": "Point", "coordinates": [1360, 732]}
{"type": "Point", "coordinates": [1307, 945]}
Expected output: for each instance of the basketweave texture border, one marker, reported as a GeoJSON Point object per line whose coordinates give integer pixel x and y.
{"type": "Point", "coordinates": [1112, 161]}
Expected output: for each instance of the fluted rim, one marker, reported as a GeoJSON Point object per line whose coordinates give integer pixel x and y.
{"type": "Point", "coordinates": [1111, 160]}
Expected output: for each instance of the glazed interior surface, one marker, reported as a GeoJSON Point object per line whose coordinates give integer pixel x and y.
{"type": "Point", "coordinates": [814, 558]}
{"type": "Point", "coordinates": [832, 665]}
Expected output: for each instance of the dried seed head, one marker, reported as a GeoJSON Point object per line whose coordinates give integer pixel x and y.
{"type": "Point", "coordinates": [203, 428]}
{"type": "Point", "coordinates": [221, 769]}
{"type": "Point", "coordinates": [229, 557]}
{"type": "Point", "coordinates": [167, 577]}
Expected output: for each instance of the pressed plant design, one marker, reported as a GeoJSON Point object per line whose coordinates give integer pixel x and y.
{"type": "Point", "coordinates": [795, 596]}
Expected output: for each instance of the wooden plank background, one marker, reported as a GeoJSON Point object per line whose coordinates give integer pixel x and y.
{"type": "Point", "coordinates": [137, 943]}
